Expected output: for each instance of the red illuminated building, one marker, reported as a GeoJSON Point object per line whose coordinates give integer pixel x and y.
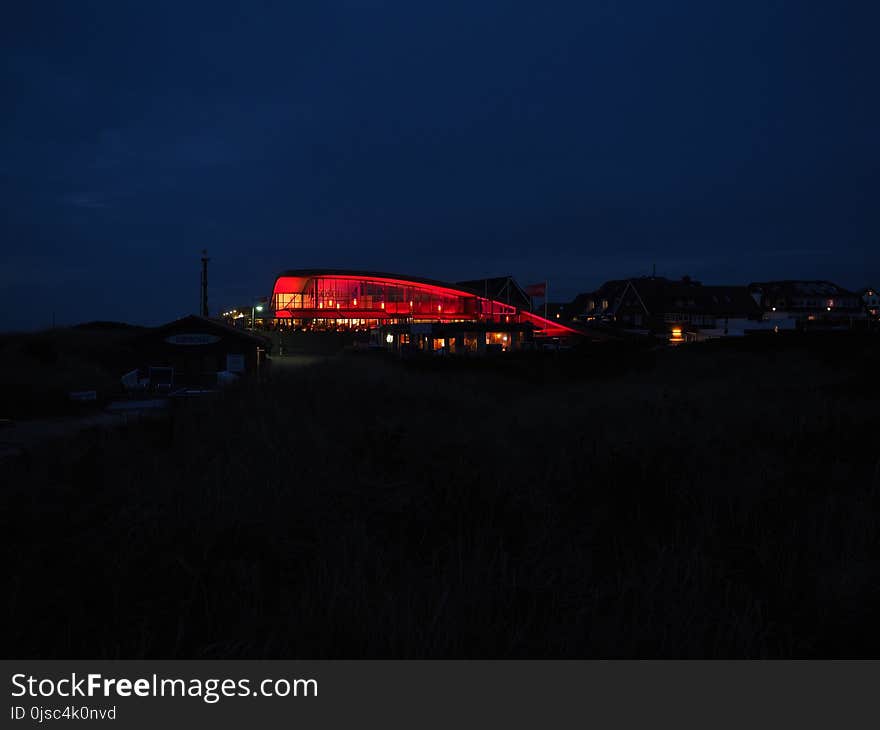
{"type": "Point", "coordinates": [325, 299]}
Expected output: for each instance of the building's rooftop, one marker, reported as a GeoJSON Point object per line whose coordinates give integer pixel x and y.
{"type": "Point", "coordinates": [215, 326]}
{"type": "Point", "coordinates": [658, 294]}
{"type": "Point", "coordinates": [801, 288]}
{"type": "Point", "coordinates": [500, 288]}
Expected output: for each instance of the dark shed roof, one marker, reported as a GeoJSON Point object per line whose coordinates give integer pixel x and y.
{"type": "Point", "coordinates": [206, 324]}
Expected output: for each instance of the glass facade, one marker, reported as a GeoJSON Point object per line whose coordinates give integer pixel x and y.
{"type": "Point", "coordinates": [335, 297]}
{"type": "Point", "coordinates": [354, 300]}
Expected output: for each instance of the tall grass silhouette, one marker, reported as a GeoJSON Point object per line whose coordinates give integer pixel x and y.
{"type": "Point", "coordinates": [717, 501]}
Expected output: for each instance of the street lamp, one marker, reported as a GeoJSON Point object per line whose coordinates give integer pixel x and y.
{"type": "Point", "coordinates": [254, 309]}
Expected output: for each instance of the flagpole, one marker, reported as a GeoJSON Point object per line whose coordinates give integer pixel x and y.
{"type": "Point", "coordinates": [546, 295]}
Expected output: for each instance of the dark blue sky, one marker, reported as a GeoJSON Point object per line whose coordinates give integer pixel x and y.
{"type": "Point", "coordinates": [581, 141]}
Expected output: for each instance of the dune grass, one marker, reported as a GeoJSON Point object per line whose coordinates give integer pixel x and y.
{"type": "Point", "coordinates": [706, 502]}
{"type": "Point", "coordinates": [39, 369]}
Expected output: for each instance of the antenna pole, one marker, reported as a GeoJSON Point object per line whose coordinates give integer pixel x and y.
{"type": "Point", "coordinates": [205, 261]}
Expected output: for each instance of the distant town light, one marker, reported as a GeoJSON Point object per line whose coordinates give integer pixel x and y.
{"type": "Point", "coordinates": [259, 307]}
{"type": "Point", "coordinates": [389, 338]}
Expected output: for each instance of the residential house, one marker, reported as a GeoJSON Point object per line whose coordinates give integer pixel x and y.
{"type": "Point", "coordinates": [809, 304]}
{"type": "Point", "coordinates": [680, 310]}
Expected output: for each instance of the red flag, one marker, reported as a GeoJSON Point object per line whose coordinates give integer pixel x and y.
{"type": "Point", "coordinates": [537, 290]}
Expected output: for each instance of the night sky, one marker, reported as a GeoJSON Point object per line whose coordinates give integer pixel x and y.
{"type": "Point", "coordinates": [575, 142]}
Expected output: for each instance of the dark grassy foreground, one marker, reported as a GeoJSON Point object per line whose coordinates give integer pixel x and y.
{"type": "Point", "coordinates": [721, 502]}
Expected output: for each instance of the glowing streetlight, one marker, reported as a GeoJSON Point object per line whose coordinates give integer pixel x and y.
{"type": "Point", "coordinates": [254, 309]}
